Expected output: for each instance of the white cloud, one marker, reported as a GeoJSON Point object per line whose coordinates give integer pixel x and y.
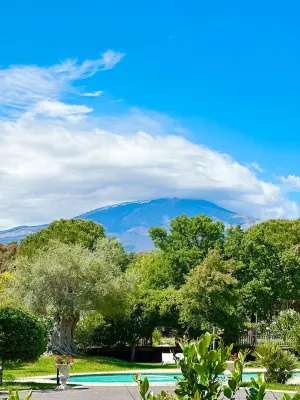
{"type": "Point", "coordinates": [23, 85]}
{"type": "Point", "coordinates": [256, 167]}
{"type": "Point", "coordinates": [291, 182]}
{"type": "Point", "coordinates": [58, 160]}
{"type": "Point", "coordinates": [93, 94]}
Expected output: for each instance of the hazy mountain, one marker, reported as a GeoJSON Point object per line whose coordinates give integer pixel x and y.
{"type": "Point", "coordinates": [130, 221]}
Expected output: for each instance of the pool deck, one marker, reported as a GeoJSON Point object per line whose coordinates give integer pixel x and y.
{"type": "Point", "coordinates": [114, 393]}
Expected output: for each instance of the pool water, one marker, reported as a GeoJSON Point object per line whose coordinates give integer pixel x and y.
{"type": "Point", "coordinates": [129, 377]}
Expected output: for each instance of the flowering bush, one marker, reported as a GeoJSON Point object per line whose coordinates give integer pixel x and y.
{"type": "Point", "coordinates": [65, 360]}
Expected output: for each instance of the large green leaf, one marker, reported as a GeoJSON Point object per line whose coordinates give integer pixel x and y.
{"type": "Point", "coordinates": [200, 369]}
{"type": "Point", "coordinates": [232, 384]}
{"type": "Point", "coordinates": [227, 392]}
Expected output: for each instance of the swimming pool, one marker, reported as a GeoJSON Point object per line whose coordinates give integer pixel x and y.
{"type": "Point", "coordinates": [129, 377]}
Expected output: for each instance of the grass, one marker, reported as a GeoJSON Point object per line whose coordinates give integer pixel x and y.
{"type": "Point", "coordinates": [26, 385]}
{"type": "Point", "coordinates": [278, 386]}
{"type": "Point", "coordinates": [45, 366]}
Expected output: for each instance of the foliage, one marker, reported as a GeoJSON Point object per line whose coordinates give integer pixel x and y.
{"type": "Point", "coordinates": [284, 324]}
{"type": "Point", "coordinates": [270, 257]}
{"type": "Point", "coordinates": [208, 297]}
{"type": "Point", "coordinates": [22, 337]}
{"type": "Point", "coordinates": [202, 369]}
{"type": "Point", "coordinates": [8, 254]}
{"type": "Point", "coordinates": [70, 231]}
{"type": "Point", "coordinates": [151, 270]}
{"type": "Point", "coordinates": [157, 337]}
{"type": "Point", "coordinates": [279, 363]}
{"type": "Point", "coordinates": [7, 297]}
{"type": "Point", "coordinates": [258, 389]}
{"type": "Point", "coordinates": [15, 395]}
{"type": "Point", "coordinates": [66, 279]}
{"type": "Point", "coordinates": [187, 243]}
{"type": "Point", "coordinates": [145, 394]}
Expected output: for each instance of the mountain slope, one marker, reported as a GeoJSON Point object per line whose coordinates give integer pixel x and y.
{"type": "Point", "coordinates": [130, 221]}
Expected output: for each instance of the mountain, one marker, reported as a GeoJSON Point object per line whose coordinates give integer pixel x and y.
{"type": "Point", "coordinates": [130, 221]}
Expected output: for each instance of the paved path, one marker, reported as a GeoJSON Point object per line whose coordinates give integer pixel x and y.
{"type": "Point", "coordinates": [112, 393]}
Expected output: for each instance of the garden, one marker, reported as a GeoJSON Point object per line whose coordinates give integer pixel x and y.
{"type": "Point", "coordinates": [71, 290]}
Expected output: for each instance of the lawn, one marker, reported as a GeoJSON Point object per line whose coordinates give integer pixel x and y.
{"type": "Point", "coordinates": [45, 366]}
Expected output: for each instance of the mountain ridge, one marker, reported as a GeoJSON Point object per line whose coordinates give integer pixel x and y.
{"type": "Point", "coordinates": [130, 221]}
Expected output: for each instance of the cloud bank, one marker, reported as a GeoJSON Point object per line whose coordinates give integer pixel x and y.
{"type": "Point", "coordinates": [59, 160]}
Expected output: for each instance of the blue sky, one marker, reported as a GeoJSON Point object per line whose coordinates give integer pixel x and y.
{"type": "Point", "coordinates": [221, 74]}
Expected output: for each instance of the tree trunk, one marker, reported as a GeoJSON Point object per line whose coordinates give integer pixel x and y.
{"type": "Point", "coordinates": [1, 372]}
{"type": "Point", "coordinates": [133, 347]}
{"type": "Point", "coordinates": [61, 338]}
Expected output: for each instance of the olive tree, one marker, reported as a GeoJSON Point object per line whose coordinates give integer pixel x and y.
{"type": "Point", "coordinates": [65, 280]}
{"type": "Point", "coordinates": [22, 336]}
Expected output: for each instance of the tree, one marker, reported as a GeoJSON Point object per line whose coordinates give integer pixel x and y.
{"type": "Point", "coordinates": [270, 257]}
{"type": "Point", "coordinates": [8, 254]}
{"type": "Point", "coordinates": [150, 270]}
{"type": "Point", "coordinates": [7, 296]}
{"type": "Point", "coordinates": [208, 297]}
{"type": "Point", "coordinates": [64, 280]}
{"type": "Point", "coordinates": [68, 231]}
{"type": "Point", "coordinates": [22, 337]}
{"type": "Point", "coordinates": [187, 243]}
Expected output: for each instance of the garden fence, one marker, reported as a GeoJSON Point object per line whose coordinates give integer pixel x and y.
{"type": "Point", "coordinates": [253, 340]}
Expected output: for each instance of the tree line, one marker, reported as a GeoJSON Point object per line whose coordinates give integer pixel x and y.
{"type": "Point", "coordinates": [200, 274]}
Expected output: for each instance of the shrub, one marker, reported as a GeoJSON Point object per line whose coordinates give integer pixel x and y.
{"type": "Point", "coordinates": [157, 337]}
{"type": "Point", "coordinates": [202, 371]}
{"type": "Point", "coordinates": [22, 336]}
{"type": "Point", "coordinates": [278, 363]}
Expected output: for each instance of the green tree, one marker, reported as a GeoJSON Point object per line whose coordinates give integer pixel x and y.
{"type": "Point", "coordinates": [270, 273]}
{"type": "Point", "coordinates": [64, 280]}
{"type": "Point", "coordinates": [208, 297]}
{"type": "Point", "coordinates": [150, 270]}
{"type": "Point", "coordinates": [68, 231]}
{"type": "Point", "coordinates": [22, 337]}
{"type": "Point", "coordinates": [187, 243]}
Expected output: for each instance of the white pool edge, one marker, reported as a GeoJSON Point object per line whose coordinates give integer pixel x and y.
{"type": "Point", "coordinates": [49, 378]}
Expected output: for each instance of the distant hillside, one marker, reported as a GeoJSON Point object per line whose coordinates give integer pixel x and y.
{"type": "Point", "coordinates": [130, 221]}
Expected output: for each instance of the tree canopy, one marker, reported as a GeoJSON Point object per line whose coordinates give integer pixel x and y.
{"type": "Point", "coordinates": [68, 231]}
{"type": "Point", "coordinates": [208, 297]}
{"type": "Point", "coordinates": [65, 280]}
{"type": "Point", "coordinates": [187, 243]}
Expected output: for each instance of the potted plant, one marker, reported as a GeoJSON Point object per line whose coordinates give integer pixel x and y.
{"type": "Point", "coordinates": [63, 365]}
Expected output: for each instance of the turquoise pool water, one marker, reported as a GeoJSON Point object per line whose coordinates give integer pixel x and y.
{"type": "Point", "coordinates": [128, 377]}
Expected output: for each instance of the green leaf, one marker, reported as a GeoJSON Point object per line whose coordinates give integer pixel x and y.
{"type": "Point", "coordinates": [191, 351]}
{"type": "Point", "coordinates": [286, 397]}
{"type": "Point", "coordinates": [145, 385]}
{"type": "Point", "coordinates": [197, 396]}
{"type": "Point", "coordinates": [200, 369]}
{"type": "Point", "coordinates": [261, 391]}
{"type": "Point", "coordinates": [202, 349]}
{"type": "Point", "coordinates": [238, 366]}
{"type": "Point", "coordinates": [212, 356]}
{"type": "Point", "coordinates": [227, 392]}
{"type": "Point", "coordinates": [232, 384]}
{"type": "Point", "coordinates": [220, 369]}
{"type": "Point", "coordinates": [207, 339]}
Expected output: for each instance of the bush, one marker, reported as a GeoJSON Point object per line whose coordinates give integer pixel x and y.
{"type": "Point", "coordinates": [22, 336]}
{"type": "Point", "coordinates": [157, 337]}
{"type": "Point", "coordinates": [278, 363]}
